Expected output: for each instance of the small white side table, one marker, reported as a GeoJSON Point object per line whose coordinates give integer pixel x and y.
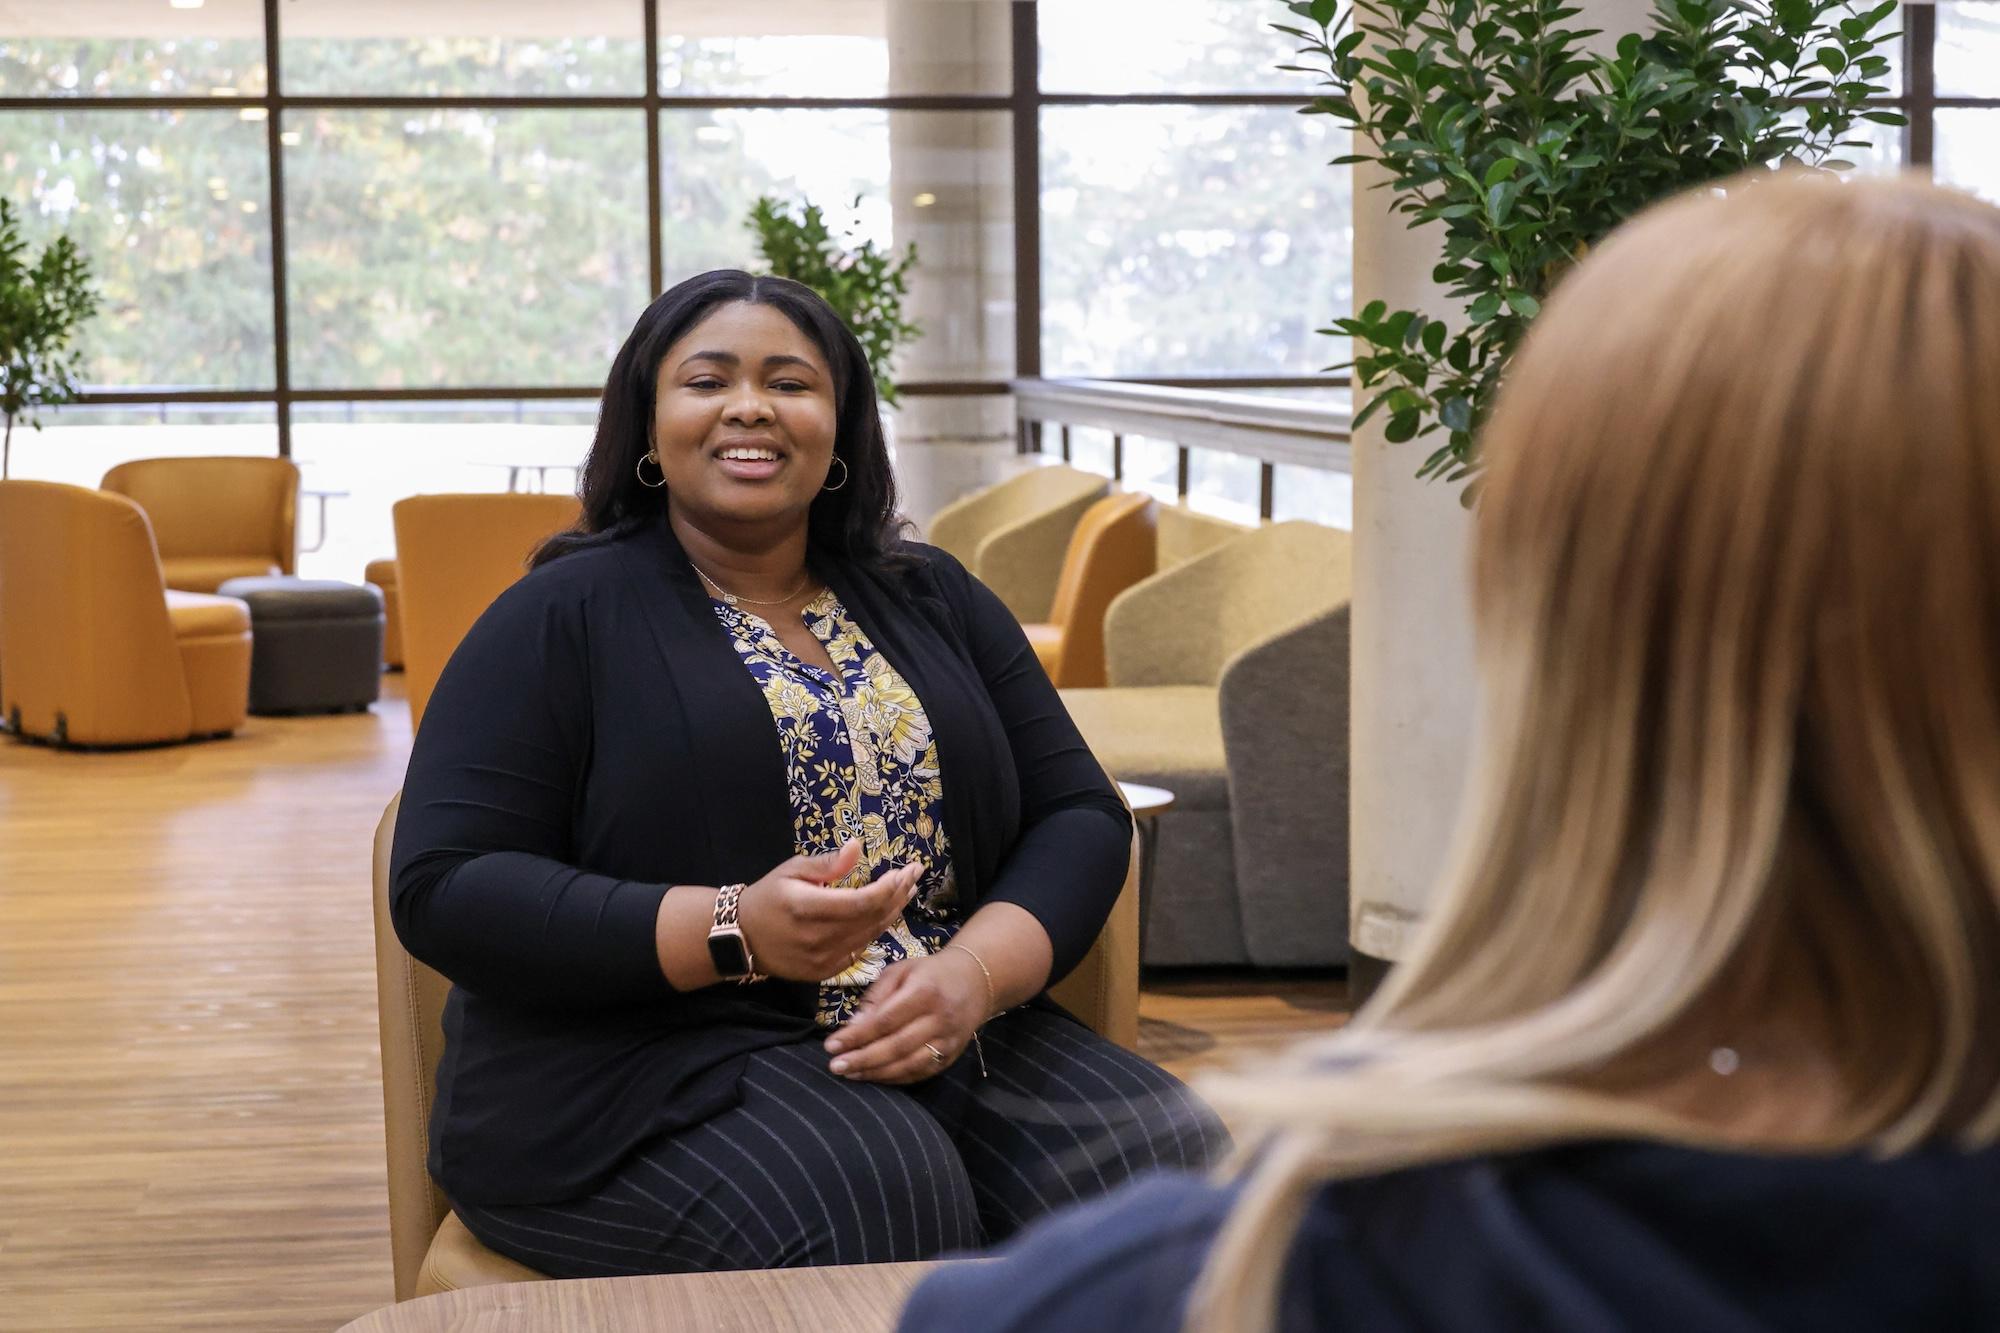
{"type": "Point", "coordinates": [1148, 804]}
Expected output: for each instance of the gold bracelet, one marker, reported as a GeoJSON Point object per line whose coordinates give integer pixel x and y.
{"type": "Point", "coordinates": [990, 996]}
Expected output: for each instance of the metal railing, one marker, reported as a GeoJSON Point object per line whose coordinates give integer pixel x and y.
{"type": "Point", "coordinates": [1274, 431]}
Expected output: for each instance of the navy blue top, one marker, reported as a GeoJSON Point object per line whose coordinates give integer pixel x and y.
{"type": "Point", "coordinates": [1590, 1237]}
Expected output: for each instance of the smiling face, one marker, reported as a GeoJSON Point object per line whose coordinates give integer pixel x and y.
{"type": "Point", "coordinates": [744, 420]}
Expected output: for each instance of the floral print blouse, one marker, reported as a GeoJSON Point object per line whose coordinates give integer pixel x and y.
{"type": "Point", "coordinates": [859, 762]}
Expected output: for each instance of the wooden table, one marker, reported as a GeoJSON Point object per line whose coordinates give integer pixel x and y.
{"type": "Point", "coordinates": [858, 1298]}
{"type": "Point", "coordinates": [1148, 804]}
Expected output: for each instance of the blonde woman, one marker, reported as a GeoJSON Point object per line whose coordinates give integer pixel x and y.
{"type": "Point", "coordinates": [1704, 1033]}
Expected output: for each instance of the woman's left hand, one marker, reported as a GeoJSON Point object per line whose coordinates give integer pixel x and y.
{"type": "Point", "coordinates": [939, 999]}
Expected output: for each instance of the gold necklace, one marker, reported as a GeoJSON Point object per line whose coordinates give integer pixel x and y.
{"type": "Point", "coordinates": [732, 599]}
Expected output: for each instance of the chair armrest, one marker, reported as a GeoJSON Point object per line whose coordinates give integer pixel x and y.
{"type": "Point", "coordinates": [1284, 703]}
{"type": "Point", "coordinates": [1022, 561]}
{"type": "Point", "coordinates": [1103, 991]}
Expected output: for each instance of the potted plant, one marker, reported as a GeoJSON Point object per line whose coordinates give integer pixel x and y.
{"type": "Point", "coordinates": [41, 306]}
{"type": "Point", "coordinates": [1492, 120]}
{"type": "Point", "coordinates": [865, 285]}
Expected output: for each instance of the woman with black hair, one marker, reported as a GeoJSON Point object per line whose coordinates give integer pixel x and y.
{"type": "Point", "coordinates": [750, 835]}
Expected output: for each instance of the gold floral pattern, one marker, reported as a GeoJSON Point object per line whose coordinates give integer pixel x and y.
{"type": "Point", "coordinates": [859, 762]}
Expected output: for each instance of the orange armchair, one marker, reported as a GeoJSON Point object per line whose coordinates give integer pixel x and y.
{"type": "Point", "coordinates": [382, 573]}
{"type": "Point", "coordinates": [454, 555]}
{"type": "Point", "coordinates": [94, 650]}
{"type": "Point", "coordinates": [1112, 548]}
{"type": "Point", "coordinates": [216, 518]}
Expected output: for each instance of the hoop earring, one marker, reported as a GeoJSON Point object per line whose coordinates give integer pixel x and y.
{"type": "Point", "coordinates": [843, 474]}
{"type": "Point", "coordinates": [638, 470]}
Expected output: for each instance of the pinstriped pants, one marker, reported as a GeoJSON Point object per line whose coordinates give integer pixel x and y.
{"type": "Point", "coordinates": [811, 1168]}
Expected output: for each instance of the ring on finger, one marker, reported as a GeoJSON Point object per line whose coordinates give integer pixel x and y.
{"type": "Point", "coordinates": [937, 1056]}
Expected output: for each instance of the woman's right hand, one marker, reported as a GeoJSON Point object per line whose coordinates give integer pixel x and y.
{"type": "Point", "coordinates": [801, 929]}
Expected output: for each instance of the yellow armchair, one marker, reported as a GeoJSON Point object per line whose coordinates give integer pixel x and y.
{"type": "Point", "coordinates": [94, 649]}
{"type": "Point", "coordinates": [382, 573]}
{"type": "Point", "coordinates": [1112, 548]}
{"type": "Point", "coordinates": [216, 519]}
{"type": "Point", "coordinates": [454, 555]}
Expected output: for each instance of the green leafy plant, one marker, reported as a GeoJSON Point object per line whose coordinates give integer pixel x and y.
{"type": "Point", "coordinates": [41, 306]}
{"type": "Point", "coordinates": [865, 285]}
{"type": "Point", "coordinates": [1490, 118]}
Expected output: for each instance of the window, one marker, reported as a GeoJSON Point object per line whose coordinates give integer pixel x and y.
{"type": "Point", "coordinates": [834, 48]}
{"type": "Point", "coordinates": [473, 201]}
{"type": "Point", "coordinates": [1968, 67]}
{"type": "Point", "coordinates": [172, 209]}
{"type": "Point", "coordinates": [463, 248]}
{"type": "Point", "coordinates": [428, 50]}
{"type": "Point", "coordinates": [1317, 495]}
{"type": "Point", "coordinates": [1165, 46]}
{"type": "Point", "coordinates": [942, 180]}
{"type": "Point", "coordinates": [1185, 240]}
{"type": "Point", "coordinates": [714, 165]}
{"type": "Point", "coordinates": [124, 48]}
{"type": "Point", "coordinates": [1222, 484]}
{"type": "Point", "coordinates": [356, 459]}
{"type": "Point", "coordinates": [79, 443]}
{"type": "Point", "coordinates": [1968, 49]}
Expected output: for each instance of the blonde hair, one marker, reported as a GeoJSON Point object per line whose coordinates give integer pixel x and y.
{"type": "Point", "coordinates": [1737, 579]}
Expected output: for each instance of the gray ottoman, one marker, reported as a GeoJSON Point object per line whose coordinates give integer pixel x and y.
{"type": "Point", "coordinates": [315, 644]}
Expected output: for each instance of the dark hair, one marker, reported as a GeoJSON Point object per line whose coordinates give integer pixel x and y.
{"type": "Point", "coordinates": [858, 522]}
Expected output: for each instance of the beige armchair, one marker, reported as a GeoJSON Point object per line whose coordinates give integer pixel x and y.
{"type": "Point", "coordinates": [1185, 533]}
{"type": "Point", "coordinates": [454, 555]}
{"type": "Point", "coordinates": [216, 518]}
{"type": "Point", "coordinates": [1228, 686]}
{"type": "Point", "coordinates": [430, 1249]}
{"type": "Point", "coordinates": [94, 649]}
{"type": "Point", "coordinates": [1013, 535]}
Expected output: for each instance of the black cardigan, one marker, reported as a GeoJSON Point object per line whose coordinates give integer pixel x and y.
{"type": "Point", "coordinates": [596, 739]}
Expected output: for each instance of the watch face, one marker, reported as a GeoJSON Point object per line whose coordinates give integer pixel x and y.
{"type": "Point", "coordinates": [726, 951]}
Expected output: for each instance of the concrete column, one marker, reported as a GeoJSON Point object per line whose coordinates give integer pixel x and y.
{"type": "Point", "coordinates": [1413, 689]}
{"type": "Point", "coordinates": [951, 188]}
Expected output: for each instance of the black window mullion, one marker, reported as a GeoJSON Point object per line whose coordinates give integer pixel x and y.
{"type": "Point", "coordinates": [1026, 105]}
{"type": "Point", "coordinates": [274, 121]}
{"type": "Point", "coordinates": [1920, 83]}
{"type": "Point", "coordinates": [656, 264]}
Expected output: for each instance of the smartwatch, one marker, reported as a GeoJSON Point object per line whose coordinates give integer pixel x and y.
{"type": "Point", "coordinates": [727, 948]}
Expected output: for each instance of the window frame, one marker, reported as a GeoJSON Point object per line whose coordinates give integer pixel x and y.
{"type": "Point", "coordinates": [1023, 102]}
{"type": "Point", "coordinates": [1919, 101]}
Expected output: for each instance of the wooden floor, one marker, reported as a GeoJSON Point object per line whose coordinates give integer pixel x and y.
{"type": "Point", "coordinates": [190, 1093]}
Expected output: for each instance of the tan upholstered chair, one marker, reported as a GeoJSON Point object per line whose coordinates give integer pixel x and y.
{"type": "Point", "coordinates": [1013, 535]}
{"type": "Point", "coordinates": [1112, 549]}
{"type": "Point", "coordinates": [1184, 533]}
{"type": "Point", "coordinates": [382, 573]}
{"type": "Point", "coordinates": [216, 518]}
{"type": "Point", "coordinates": [94, 650]}
{"type": "Point", "coordinates": [454, 555]}
{"type": "Point", "coordinates": [1228, 686]}
{"type": "Point", "coordinates": [430, 1248]}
